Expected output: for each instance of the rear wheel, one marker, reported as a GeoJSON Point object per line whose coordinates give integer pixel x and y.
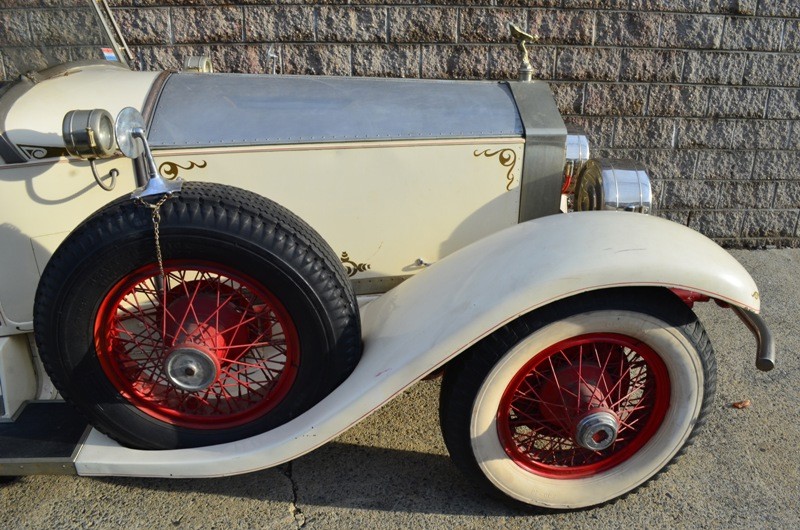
{"type": "Point", "coordinates": [582, 402]}
{"type": "Point", "coordinates": [252, 322]}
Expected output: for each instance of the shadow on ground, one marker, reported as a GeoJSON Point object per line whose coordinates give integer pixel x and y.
{"type": "Point", "coordinates": [348, 476]}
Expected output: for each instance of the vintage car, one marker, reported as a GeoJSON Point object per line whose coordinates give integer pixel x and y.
{"type": "Point", "coordinates": [184, 254]}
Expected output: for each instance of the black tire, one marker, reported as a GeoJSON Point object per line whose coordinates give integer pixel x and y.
{"type": "Point", "coordinates": [646, 377]}
{"type": "Point", "coordinates": [257, 303]}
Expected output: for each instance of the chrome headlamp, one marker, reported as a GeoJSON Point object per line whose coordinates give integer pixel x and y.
{"type": "Point", "coordinates": [89, 133]}
{"type": "Point", "coordinates": [577, 154]}
{"type": "Point", "coordinates": [605, 184]}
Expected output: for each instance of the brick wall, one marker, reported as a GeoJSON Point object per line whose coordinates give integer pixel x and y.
{"type": "Point", "coordinates": [705, 92]}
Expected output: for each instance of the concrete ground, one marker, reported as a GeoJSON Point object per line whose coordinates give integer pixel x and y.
{"type": "Point", "coordinates": [392, 471]}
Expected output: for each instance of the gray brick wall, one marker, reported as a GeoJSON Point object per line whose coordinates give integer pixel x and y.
{"type": "Point", "coordinates": [705, 92]}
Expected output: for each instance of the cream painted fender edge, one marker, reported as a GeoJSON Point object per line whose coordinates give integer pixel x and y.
{"type": "Point", "coordinates": [421, 324]}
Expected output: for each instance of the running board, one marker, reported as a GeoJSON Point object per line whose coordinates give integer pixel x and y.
{"type": "Point", "coordinates": [43, 439]}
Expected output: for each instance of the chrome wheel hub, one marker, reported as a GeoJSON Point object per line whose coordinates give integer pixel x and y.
{"type": "Point", "coordinates": [597, 431]}
{"type": "Point", "coordinates": [191, 369]}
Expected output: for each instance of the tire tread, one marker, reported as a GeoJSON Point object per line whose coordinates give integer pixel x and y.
{"type": "Point", "coordinates": [217, 208]}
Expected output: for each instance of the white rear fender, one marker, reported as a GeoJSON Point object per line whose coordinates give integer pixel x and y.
{"type": "Point", "coordinates": [426, 321]}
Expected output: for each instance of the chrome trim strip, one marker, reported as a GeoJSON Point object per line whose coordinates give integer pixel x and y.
{"type": "Point", "coordinates": [15, 467]}
{"type": "Point", "coordinates": [243, 149]}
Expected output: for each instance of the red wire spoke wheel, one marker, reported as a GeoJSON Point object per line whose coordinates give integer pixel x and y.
{"type": "Point", "coordinates": [581, 402]}
{"type": "Point", "coordinates": [584, 405]}
{"type": "Point", "coordinates": [204, 348]}
{"type": "Point", "coordinates": [253, 323]}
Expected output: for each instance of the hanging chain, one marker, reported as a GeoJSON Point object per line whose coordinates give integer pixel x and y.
{"type": "Point", "coordinates": [156, 216]}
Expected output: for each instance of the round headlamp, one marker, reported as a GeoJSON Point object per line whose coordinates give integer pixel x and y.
{"type": "Point", "coordinates": [606, 184]}
{"type": "Point", "coordinates": [89, 133]}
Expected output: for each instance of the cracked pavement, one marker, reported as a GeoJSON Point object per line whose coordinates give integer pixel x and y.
{"type": "Point", "coordinates": [296, 512]}
{"type": "Point", "coordinates": [392, 470]}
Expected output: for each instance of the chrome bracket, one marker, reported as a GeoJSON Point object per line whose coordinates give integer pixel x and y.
{"type": "Point", "coordinates": [156, 184]}
{"type": "Point", "coordinates": [113, 174]}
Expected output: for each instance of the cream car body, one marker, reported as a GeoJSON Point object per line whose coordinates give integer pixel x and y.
{"type": "Point", "coordinates": [444, 202]}
{"type": "Point", "coordinates": [418, 326]}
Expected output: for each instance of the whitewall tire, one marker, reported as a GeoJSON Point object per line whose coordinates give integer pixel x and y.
{"type": "Point", "coordinates": [582, 402]}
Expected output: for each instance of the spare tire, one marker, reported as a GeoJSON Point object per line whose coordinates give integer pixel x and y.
{"type": "Point", "coordinates": [252, 323]}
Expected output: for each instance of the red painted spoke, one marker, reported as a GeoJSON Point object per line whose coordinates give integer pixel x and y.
{"type": "Point", "coordinates": [636, 386]}
{"type": "Point", "coordinates": [625, 426]}
{"type": "Point", "coordinates": [550, 408]}
{"type": "Point", "coordinates": [626, 404]}
{"type": "Point", "coordinates": [581, 380]}
{"type": "Point", "coordinates": [140, 343]}
{"type": "Point", "coordinates": [139, 315]}
{"type": "Point", "coordinates": [562, 392]}
{"type": "Point", "coordinates": [147, 332]}
{"type": "Point", "coordinates": [249, 345]}
{"type": "Point", "coordinates": [236, 383]}
{"type": "Point", "coordinates": [215, 314]}
{"type": "Point", "coordinates": [540, 426]}
{"type": "Point", "coordinates": [189, 308]}
{"type": "Point", "coordinates": [239, 351]}
{"type": "Point", "coordinates": [135, 317]}
{"type": "Point", "coordinates": [238, 374]}
{"type": "Point", "coordinates": [633, 383]}
{"type": "Point", "coordinates": [150, 293]}
{"type": "Point", "coordinates": [226, 315]}
{"type": "Point", "coordinates": [149, 314]}
{"type": "Point", "coordinates": [544, 402]}
{"type": "Point", "coordinates": [604, 368]}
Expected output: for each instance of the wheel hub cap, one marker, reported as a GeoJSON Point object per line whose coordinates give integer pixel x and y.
{"type": "Point", "coordinates": [190, 368]}
{"type": "Point", "coordinates": [597, 430]}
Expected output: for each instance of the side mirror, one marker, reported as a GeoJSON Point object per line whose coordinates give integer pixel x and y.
{"type": "Point", "coordinates": [132, 142]}
{"type": "Point", "coordinates": [129, 120]}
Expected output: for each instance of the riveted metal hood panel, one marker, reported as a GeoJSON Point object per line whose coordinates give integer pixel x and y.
{"type": "Point", "coordinates": [223, 109]}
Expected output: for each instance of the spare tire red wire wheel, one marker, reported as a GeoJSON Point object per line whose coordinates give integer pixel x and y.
{"type": "Point", "coordinates": [582, 402]}
{"type": "Point", "coordinates": [252, 322]}
{"type": "Point", "coordinates": [212, 352]}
